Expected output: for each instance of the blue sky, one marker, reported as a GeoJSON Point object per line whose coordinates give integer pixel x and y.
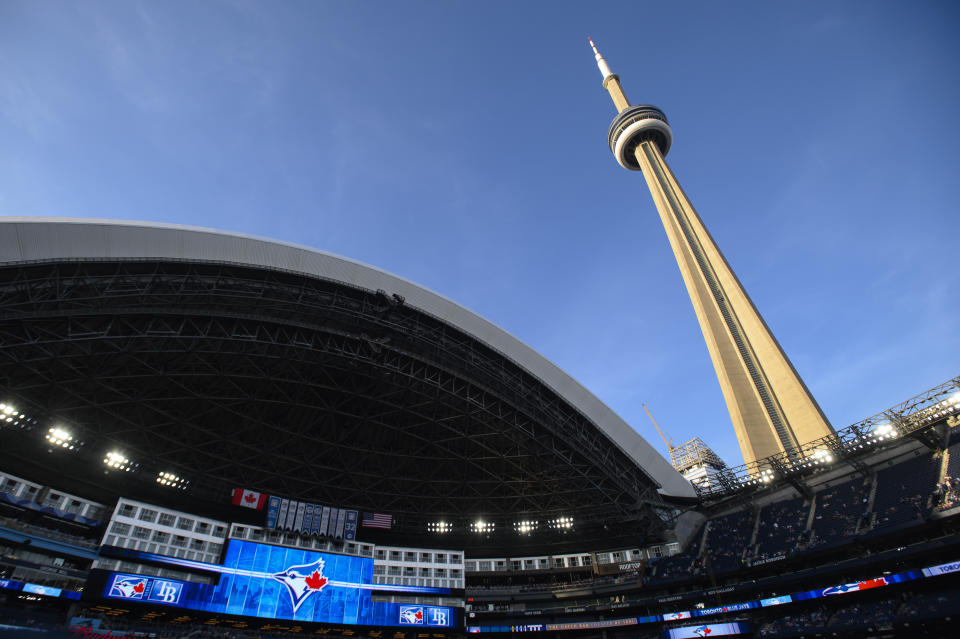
{"type": "Point", "coordinates": [462, 145]}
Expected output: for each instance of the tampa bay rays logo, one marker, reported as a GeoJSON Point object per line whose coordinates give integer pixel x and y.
{"type": "Point", "coordinates": [302, 581]}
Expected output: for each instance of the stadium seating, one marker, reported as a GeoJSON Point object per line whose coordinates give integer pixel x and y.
{"type": "Point", "coordinates": [48, 533]}
{"type": "Point", "coordinates": [953, 460]}
{"type": "Point", "coordinates": [903, 491]}
{"type": "Point", "coordinates": [728, 539]}
{"type": "Point", "coordinates": [782, 527]}
{"type": "Point", "coordinates": [726, 553]}
{"type": "Point", "coordinates": [678, 566]}
{"type": "Point", "coordinates": [789, 625]}
{"type": "Point", "coordinates": [839, 511]}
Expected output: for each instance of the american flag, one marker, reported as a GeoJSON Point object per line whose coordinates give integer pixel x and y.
{"type": "Point", "coordinates": [376, 520]}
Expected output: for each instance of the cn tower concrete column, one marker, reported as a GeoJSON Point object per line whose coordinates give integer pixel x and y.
{"type": "Point", "coordinates": [770, 407]}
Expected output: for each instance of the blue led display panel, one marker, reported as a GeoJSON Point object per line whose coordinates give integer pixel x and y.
{"type": "Point", "coordinates": [37, 589]}
{"type": "Point", "coordinates": [10, 584]}
{"type": "Point", "coordinates": [259, 580]}
{"type": "Point", "coordinates": [709, 630]}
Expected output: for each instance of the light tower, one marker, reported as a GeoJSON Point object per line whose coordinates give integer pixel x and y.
{"type": "Point", "coordinates": [771, 409]}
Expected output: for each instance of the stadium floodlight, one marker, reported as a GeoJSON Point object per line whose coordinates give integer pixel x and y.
{"type": "Point", "coordinates": [118, 461]}
{"type": "Point", "coordinates": [440, 527]}
{"type": "Point", "coordinates": [562, 523]}
{"type": "Point", "coordinates": [822, 456]}
{"type": "Point", "coordinates": [883, 431]}
{"type": "Point", "coordinates": [169, 479]}
{"type": "Point", "coordinates": [60, 437]}
{"type": "Point", "coordinates": [10, 416]}
{"type": "Point", "coordinates": [481, 526]}
{"type": "Point", "coordinates": [526, 526]}
{"type": "Point", "coordinates": [765, 476]}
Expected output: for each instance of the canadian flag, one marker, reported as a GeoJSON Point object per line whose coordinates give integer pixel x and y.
{"type": "Point", "coordinates": [248, 498]}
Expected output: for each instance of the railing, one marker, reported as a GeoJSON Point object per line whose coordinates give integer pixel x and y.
{"type": "Point", "coordinates": [865, 436]}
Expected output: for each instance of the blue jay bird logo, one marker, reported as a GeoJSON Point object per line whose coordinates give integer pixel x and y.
{"type": "Point", "coordinates": [302, 581]}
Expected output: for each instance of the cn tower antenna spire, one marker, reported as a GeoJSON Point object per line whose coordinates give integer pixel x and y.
{"type": "Point", "coordinates": [611, 81]}
{"type": "Point", "coordinates": [604, 67]}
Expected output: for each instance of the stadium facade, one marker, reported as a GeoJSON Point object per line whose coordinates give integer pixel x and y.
{"type": "Point", "coordinates": [230, 360]}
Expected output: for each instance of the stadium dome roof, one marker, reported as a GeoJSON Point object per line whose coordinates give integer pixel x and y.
{"type": "Point", "coordinates": [234, 360]}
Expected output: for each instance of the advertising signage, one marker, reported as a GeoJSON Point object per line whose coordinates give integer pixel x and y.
{"type": "Point", "coordinates": [717, 629]}
{"type": "Point", "coordinates": [37, 589]}
{"type": "Point", "coordinates": [709, 630]}
{"type": "Point", "coordinates": [259, 580]}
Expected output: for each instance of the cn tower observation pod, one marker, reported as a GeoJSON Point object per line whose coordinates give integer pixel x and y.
{"type": "Point", "coordinates": [234, 360]}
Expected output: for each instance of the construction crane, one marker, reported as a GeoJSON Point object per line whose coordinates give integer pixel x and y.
{"type": "Point", "coordinates": [669, 442]}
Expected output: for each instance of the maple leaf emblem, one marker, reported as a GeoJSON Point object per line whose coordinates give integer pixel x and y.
{"type": "Point", "coordinates": [315, 581]}
{"type": "Point", "coordinates": [250, 498]}
{"type": "Point", "coordinates": [419, 615]}
{"type": "Point", "coordinates": [138, 588]}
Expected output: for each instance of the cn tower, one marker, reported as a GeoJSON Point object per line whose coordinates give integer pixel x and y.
{"type": "Point", "coordinates": [771, 409]}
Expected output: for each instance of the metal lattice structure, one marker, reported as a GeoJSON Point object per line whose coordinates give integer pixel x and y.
{"type": "Point", "coordinates": [916, 417]}
{"type": "Point", "coordinates": [694, 453]}
{"type": "Point", "coordinates": [235, 375]}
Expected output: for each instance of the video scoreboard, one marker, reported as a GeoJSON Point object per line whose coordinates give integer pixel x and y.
{"type": "Point", "coordinates": [261, 580]}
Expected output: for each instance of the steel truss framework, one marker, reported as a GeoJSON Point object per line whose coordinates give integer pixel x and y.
{"type": "Point", "coordinates": [925, 417]}
{"type": "Point", "coordinates": [229, 375]}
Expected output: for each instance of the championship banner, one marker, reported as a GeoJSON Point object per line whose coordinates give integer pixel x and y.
{"type": "Point", "coordinates": [324, 521]}
{"type": "Point", "coordinates": [261, 580]}
{"type": "Point", "coordinates": [317, 516]}
{"type": "Point", "coordinates": [298, 522]}
{"type": "Point", "coordinates": [307, 519]}
{"type": "Point", "coordinates": [273, 511]}
{"type": "Point", "coordinates": [350, 527]}
{"type": "Point", "coordinates": [341, 522]}
{"type": "Point", "coordinates": [332, 526]}
{"type": "Point", "coordinates": [291, 515]}
{"type": "Point", "coordinates": [282, 516]}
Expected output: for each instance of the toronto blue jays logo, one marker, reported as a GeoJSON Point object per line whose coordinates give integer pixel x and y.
{"type": "Point", "coordinates": [128, 587]}
{"type": "Point", "coordinates": [411, 615]}
{"type": "Point", "coordinates": [302, 581]}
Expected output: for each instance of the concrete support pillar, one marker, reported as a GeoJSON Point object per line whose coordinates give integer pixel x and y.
{"type": "Point", "coordinates": [771, 409]}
